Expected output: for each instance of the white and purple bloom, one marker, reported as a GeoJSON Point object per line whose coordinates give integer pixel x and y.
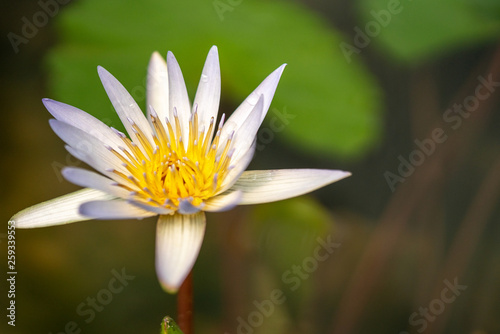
{"type": "Point", "coordinates": [175, 163]}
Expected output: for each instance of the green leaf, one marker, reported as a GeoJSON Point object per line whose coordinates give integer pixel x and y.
{"type": "Point", "coordinates": [288, 231]}
{"type": "Point", "coordinates": [168, 326]}
{"type": "Point", "coordinates": [290, 238]}
{"type": "Point", "coordinates": [332, 105]}
{"type": "Point", "coordinates": [415, 30]}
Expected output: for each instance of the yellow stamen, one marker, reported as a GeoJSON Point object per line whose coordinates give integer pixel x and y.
{"type": "Point", "coordinates": [176, 166]}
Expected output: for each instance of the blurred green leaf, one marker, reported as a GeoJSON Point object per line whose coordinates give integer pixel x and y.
{"type": "Point", "coordinates": [168, 326]}
{"type": "Point", "coordinates": [414, 30]}
{"type": "Point", "coordinates": [332, 104]}
{"type": "Point", "coordinates": [288, 230]}
{"type": "Point", "coordinates": [291, 235]}
{"type": "Point", "coordinates": [489, 8]}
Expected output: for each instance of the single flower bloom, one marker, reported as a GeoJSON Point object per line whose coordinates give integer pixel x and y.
{"type": "Point", "coordinates": [175, 163]}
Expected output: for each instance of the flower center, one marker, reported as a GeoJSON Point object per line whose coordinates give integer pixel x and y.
{"type": "Point", "coordinates": [173, 168]}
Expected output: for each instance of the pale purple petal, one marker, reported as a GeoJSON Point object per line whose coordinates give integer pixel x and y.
{"type": "Point", "coordinates": [87, 148]}
{"type": "Point", "coordinates": [114, 209]}
{"type": "Point", "coordinates": [186, 207]}
{"type": "Point", "coordinates": [125, 106]}
{"type": "Point", "coordinates": [83, 121]}
{"type": "Point", "coordinates": [151, 207]}
{"type": "Point", "coordinates": [89, 179]}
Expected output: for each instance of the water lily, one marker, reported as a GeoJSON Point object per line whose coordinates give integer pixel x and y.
{"type": "Point", "coordinates": [176, 163]}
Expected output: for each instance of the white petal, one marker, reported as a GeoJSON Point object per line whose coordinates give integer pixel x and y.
{"type": "Point", "coordinates": [208, 93]}
{"type": "Point", "coordinates": [83, 121]}
{"type": "Point", "coordinates": [58, 211]}
{"type": "Point", "coordinates": [244, 137]}
{"type": "Point", "coordinates": [86, 147]}
{"type": "Point", "coordinates": [178, 96]}
{"type": "Point", "coordinates": [266, 88]}
{"type": "Point", "coordinates": [89, 179]}
{"type": "Point", "coordinates": [262, 186]}
{"type": "Point", "coordinates": [223, 202]}
{"type": "Point", "coordinates": [125, 106]}
{"type": "Point", "coordinates": [94, 162]}
{"type": "Point", "coordinates": [115, 209]}
{"type": "Point", "coordinates": [237, 168]}
{"type": "Point", "coordinates": [157, 87]}
{"type": "Point", "coordinates": [178, 242]}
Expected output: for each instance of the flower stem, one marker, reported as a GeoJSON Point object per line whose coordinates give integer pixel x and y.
{"type": "Point", "coordinates": [185, 305]}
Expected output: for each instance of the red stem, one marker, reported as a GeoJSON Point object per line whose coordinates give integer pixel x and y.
{"type": "Point", "coordinates": [185, 305]}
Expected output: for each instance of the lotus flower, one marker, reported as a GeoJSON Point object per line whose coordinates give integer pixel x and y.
{"type": "Point", "coordinates": [176, 163]}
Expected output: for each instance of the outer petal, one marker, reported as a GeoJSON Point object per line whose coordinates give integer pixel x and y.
{"type": "Point", "coordinates": [178, 242]}
{"type": "Point", "coordinates": [152, 208]}
{"type": "Point", "coordinates": [157, 87]}
{"type": "Point", "coordinates": [83, 121]}
{"type": "Point", "coordinates": [262, 186]}
{"type": "Point", "coordinates": [186, 208]}
{"type": "Point", "coordinates": [178, 96]}
{"type": "Point", "coordinates": [86, 147]}
{"type": "Point", "coordinates": [125, 106]}
{"type": "Point", "coordinates": [223, 202]}
{"type": "Point", "coordinates": [115, 209]}
{"type": "Point", "coordinates": [244, 137]}
{"type": "Point", "coordinates": [89, 179]}
{"type": "Point", "coordinates": [237, 168]}
{"type": "Point", "coordinates": [93, 161]}
{"type": "Point", "coordinates": [266, 88]}
{"type": "Point", "coordinates": [208, 94]}
{"type": "Point", "coordinates": [58, 211]}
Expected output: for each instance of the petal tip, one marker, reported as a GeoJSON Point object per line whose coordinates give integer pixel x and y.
{"type": "Point", "coordinates": [279, 71]}
{"type": "Point", "coordinates": [54, 124]}
{"type": "Point", "coordinates": [178, 242]}
{"type": "Point", "coordinates": [345, 173]}
{"type": "Point", "coordinates": [156, 58]}
{"type": "Point", "coordinates": [169, 288]}
{"type": "Point", "coordinates": [335, 175]}
{"type": "Point", "coordinates": [83, 210]}
{"type": "Point", "coordinates": [102, 72]}
{"type": "Point", "coordinates": [66, 171]}
{"type": "Point", "coordinates": [213, 50]}
{"type": "Point", "coordinates": [15, 219]}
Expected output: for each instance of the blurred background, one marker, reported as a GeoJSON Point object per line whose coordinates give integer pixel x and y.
{"type": "Point", "coordinates": [404, 94]}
